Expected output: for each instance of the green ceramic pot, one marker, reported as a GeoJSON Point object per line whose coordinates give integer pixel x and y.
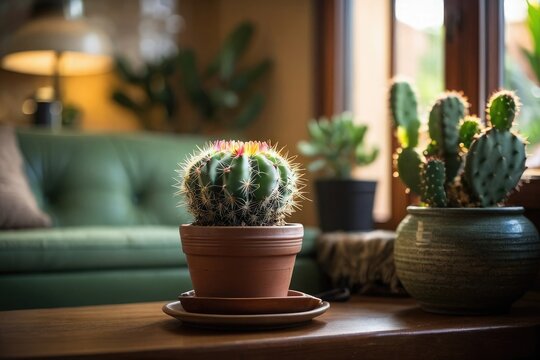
{"type": "Point", "coordinates": [466, 260]}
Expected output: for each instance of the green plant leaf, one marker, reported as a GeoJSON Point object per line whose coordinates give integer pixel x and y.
{"type": "Point", "coordinates": [126, 72]}
{"type": "Point", "coordinates": [358, 134]}
{"type": "Point", "coordinates": [249, 112]}
{"type": "Point", "coordinates": [188, 70]}
{"type": "Point", "coordinates": [317, 165]}
{"type": "Point", "coordinates": [167, 98]}
{"type": "Point", "coordinates": [234, 46]}
{"type": "Point", "coordinates": [340, 142]}
{"type": "Point", "coordinates": [363, 157]}
{"type": "Point", "coordinates": [534, 62]}
{"type": "Point", "coordinates": [225, 98]}
{"type": "Point", "coordinates": [308, 149]}
{"type": "Point", "coordinates": [533, 24]}
{"type": "Point", "coordinates": [124, 100]}
{"type": "Point", "coordinates": [193, 85]}
{"type": "Point", "coordinates": [325, 127]}
{"type": "Point", "coordinates": [168, 65]}
{"type": "Point", "coordinates": [316, 133]}
{"type": "Point", "coordinates": [244, 79]}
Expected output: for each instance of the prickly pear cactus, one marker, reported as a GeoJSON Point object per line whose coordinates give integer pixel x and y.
{"type": "Point", "coordinates": [496, 158]}
{"type": "Point", "coordinates": [409, 165]}
{"type": "Point", "coordinates": [433, 180]}
{"type": "Point", "coordinates": [480, 166]}
{"type": "Point", "coordinates": [234, 183]}
{"type": "Point", "coordinates": [403, 106]}
{"type": "Point", "coordinates": [469, 128]}
{"type": "Point", "coordinates": [502, 110]}
{"type": "Point", "coordinates": [443, 126]}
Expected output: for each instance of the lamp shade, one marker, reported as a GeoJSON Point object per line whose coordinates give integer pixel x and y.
{"type": "Point", "coordinates": [35, 48]}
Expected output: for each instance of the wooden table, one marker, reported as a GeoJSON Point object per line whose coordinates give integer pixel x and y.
{"type": "Point", "coordinates": [365, 327]}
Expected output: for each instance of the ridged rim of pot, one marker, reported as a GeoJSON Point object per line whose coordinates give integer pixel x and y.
{"type": "Point", "coordinates": [284, 232]}
{"type": "Point", "coordinates": [504, 210]}
{"type": "Point", "coordinates": [241, 240]}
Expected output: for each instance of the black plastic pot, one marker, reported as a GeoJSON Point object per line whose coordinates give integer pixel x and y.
{"type": "Point", "coordinates": [345, 205]}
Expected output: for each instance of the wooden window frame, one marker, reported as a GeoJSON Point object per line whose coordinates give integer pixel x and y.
{"type": "Point", "coordinates": [473, 30]}
{"type": "Point", "coordinates": [330, 68]}
{"type": "Point", "coordinates": [474, 50]}
{"type": "Point", "coordinates": [474, 33]}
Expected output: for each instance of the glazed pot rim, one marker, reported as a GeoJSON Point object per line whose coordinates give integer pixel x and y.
{"type": "Point", "coordinates": [503, 210]}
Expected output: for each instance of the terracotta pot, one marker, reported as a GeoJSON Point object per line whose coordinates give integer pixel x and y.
{"type": "Point", "coordinates": [236, 261]}
{"type": "Point", "coordinates": [466, 260]}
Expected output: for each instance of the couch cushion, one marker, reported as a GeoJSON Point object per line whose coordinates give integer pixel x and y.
{"type": "Point", "coordinates": [18, 208]}
{"type": "Point", "coordinates": [99, 248]}
{"type": "Point", "coordinates": [90, 248]}
{"type": "Point", "coordinates": [106, 179]}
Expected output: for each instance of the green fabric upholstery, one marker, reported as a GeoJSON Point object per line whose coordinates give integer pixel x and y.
{"type": "Point", "coordinates": [115, 237]}
{"type": "Point", "coordinates": [125, 179]}
{"type": "Point", "coordinates": [80, 288]}
{"type": "Point", "coordinates": [99, 248]}
{"type": "Point", "coordinates": [90, 248]}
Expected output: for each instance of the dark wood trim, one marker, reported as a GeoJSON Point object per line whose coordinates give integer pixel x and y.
{"type": "Point", "coordinates": [363, 327]}
{"type": "Point", "coordinates": [494, 45]}
{"type": "Point", "coordinates": [399, 199]}
{"type": "Point", "coordinates": [462, 49]}
{"type": "Point", "coordinates": [473, 49]}
{"type": "Point", "coordinates": [325, 48]}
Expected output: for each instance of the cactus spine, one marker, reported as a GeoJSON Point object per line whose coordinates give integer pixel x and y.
{"type": "Point", "coordinates": [234, 183]}
{"type": "Point", "coordinates": [480, 166]}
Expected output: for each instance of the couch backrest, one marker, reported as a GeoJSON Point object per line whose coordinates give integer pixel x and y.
{"type": "Point", "coordinates": [106, 179]}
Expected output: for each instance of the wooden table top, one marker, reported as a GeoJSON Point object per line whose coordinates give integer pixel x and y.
{"type": "Point", "coordinates": [366, 327]}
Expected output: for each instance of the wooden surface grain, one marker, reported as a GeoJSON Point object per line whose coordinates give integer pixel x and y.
{"type": "Point", "coordinates": [365, 327]}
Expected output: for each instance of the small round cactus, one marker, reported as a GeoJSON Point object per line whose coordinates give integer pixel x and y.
{"type": "Point", "coordinates": [235, 183]}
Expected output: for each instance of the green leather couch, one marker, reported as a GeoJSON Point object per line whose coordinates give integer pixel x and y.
{"type": "Point", "coordinates": [115, 223]}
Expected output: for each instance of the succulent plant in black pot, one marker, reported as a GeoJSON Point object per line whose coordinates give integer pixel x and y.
{"type": "Point", "coordinates": [338, 145]}
{"type": "Point", "coordinates": [462, 251]}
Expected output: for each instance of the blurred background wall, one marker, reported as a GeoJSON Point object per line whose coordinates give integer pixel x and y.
{"type": "Point", "coordinates": [284, 32]}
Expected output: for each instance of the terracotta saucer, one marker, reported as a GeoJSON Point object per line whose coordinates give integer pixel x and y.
{"type": "Point", "coordinates": [296, 301]}
{"type": "Point", "coordinates": [250, 322]}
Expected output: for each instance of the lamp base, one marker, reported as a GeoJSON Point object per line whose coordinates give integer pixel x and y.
{"type": "Point", "coordinates": [48, 114]}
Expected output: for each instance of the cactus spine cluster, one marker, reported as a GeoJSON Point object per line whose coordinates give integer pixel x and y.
{"type": "Point", "coordinates": [234, 183]}
{"type": "Point", "coordinates": [463, 165]}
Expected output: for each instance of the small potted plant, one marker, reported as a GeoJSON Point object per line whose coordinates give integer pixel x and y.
{"type": "Point", "coordinates": [239, 244]}
{"type": "Point", "coordinates": [462, 251]}
{"type": "Point", "coordinates": [338, 145]}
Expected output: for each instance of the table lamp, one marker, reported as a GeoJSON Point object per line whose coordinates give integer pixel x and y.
{"type": "Point", "coordinates": [58, 41]}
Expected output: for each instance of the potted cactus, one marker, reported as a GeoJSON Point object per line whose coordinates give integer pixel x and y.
{"type": "Point", "coordinates": [239, 244]}
{"type": "Point", "coordinates": [461, 251]}
{"type": "Point", "coordinates": [343, 203]}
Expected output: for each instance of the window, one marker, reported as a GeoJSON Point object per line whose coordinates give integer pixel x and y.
{"type": "Point", "coordinates": [419, 47]}
{"type": "Point", "coordinates": [439, 44]}
{"type": "Point", "coordinates": [522, 71]}
{"type": "Point", "coordinates": [367, 96]}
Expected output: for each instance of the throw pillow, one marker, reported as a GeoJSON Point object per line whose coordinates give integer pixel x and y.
{"type": "Point", "coordinates": [18, 207]}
